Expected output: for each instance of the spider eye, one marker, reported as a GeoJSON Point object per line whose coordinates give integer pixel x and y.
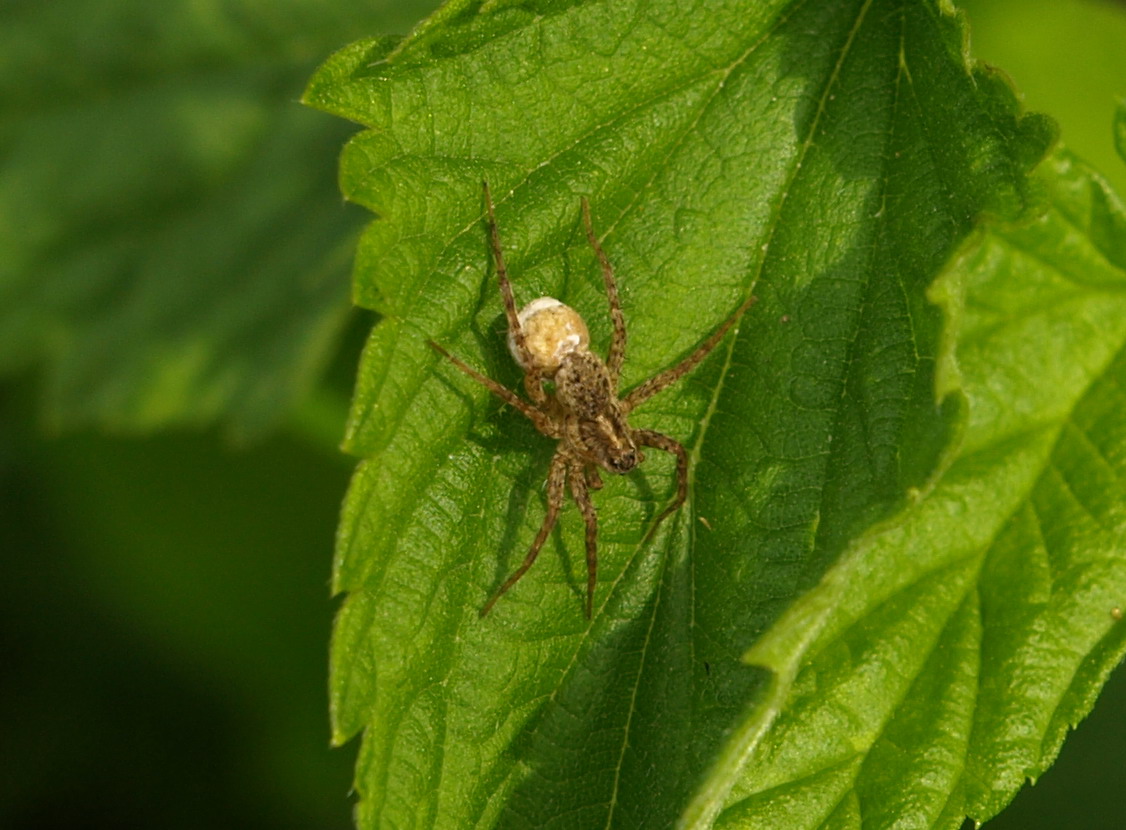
{"type": "Point", "coordinates": [626, 461]}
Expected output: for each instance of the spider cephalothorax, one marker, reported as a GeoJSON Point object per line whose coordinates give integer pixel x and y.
{"type": "Point", "coordinates": [584, 411]}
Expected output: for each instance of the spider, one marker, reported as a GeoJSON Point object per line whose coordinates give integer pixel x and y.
{"type": "Point", "coordinates": [584, 412]}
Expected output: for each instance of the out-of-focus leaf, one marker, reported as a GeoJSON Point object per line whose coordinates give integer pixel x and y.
{"type": "Point", "coordinates": [1066, 58]}
{"type": "Point", "coordinates": [172, 249]}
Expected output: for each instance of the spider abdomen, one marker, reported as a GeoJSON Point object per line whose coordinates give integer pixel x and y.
{"type": "Point", "coordinates": [551, 331]}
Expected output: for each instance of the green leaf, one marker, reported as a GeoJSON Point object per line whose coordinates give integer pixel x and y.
{"type": "Point", "coordinates": [864, 451]}
{"type": "Point", "coordinates": [955, 649]}
{"type": "Point", "coordinates": [172, 248]}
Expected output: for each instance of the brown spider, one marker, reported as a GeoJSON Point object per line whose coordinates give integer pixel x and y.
{"type": "Point", "coordinates": [550, 342]}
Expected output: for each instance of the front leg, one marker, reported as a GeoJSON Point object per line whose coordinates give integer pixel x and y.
{"type": "Point", "coordinates": [650, 438]}
{"type": "Point", "coordinates": [556, 479]}
{"type": "Point", "coordinates": [582, 498]}
{"type": "Point", "coordinates": [617, 354]}
{"type": "Point", "coordinates": [668, 377]}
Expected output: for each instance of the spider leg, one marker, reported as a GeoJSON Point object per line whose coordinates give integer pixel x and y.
{"type": "Point", "coordinates": [582, 498]}
{"type": "Point", "coordinates": [650, 438]}
{"type": "Point", "coordinates": [668, 377]}
{"type": "Point", "coordinates": [533, 381]}
{"type": "Point", "coordinates": [618, 345]}
{"type": "Point", "coordinates": [593, 479]}
{"type": "Point", "coordinates": [542, 422]}
{"type": "Point", "coordinates": [556, 478]}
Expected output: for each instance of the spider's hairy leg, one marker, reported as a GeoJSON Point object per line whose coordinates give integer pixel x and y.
{"type": "Point", "coordinates": [670, 376]}
{"type": "Point", "coordinates": [650, 438]}
{"type": "Point", "coordinates": [617, 354]}
{"type": "Point", "coordinates": [542, 422]}
{"type": "Point", "coordinates": [582, 498]}
{"type": "Point", "coordinates": [533, 382]}
{"type": "Point", "coordinates": [556, 479]}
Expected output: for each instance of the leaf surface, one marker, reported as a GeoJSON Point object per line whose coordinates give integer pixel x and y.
{"type": "Point", "coordinates": [172, 249]}
{"type": "Point", "coordinates": [831, 158]}
{"type": "Point", "coordinates": [954, 650]}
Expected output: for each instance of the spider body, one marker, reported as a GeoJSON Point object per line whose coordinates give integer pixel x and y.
{"type": "Point", "coordinates": [594, 421]}
{"type": "Point", "coordinates": [585, 412]}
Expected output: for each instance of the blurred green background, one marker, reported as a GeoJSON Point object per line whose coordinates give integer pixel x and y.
{"type": "Point", "coordinates": [167, 512]}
